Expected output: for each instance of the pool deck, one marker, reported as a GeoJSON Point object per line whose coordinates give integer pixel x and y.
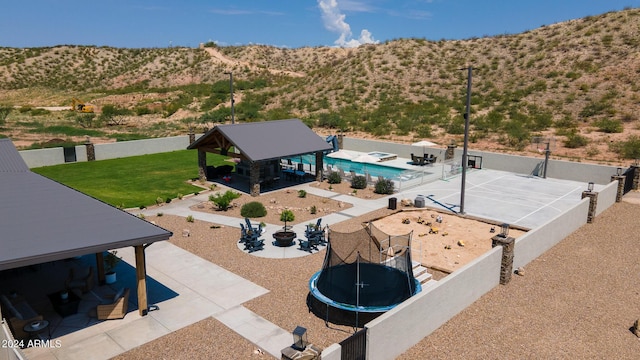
{"type": "Point", "coordinates": [495, 195]}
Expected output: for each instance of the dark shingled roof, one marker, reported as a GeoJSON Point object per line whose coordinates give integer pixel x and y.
{"type": "Point", "coordinates": [42, 220]}
{"type": "Point", "coordinates": [258, 141]}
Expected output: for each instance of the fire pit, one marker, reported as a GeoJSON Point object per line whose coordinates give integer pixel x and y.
{"type": "Point", "coordinates": [284, 238]}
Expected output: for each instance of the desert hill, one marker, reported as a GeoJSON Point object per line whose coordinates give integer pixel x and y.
{"type": "Point", "coordinates": [575, 81]}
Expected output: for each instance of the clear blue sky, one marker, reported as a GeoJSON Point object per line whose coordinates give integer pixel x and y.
{"type": "Point", "coordinates": [289, 23]}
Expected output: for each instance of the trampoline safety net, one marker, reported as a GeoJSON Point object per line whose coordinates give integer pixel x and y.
{"type": "Point", "coordinates": [367, 268]}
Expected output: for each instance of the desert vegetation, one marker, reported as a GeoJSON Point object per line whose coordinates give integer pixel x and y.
{"type": "Point", "coordinates": [574, 81]}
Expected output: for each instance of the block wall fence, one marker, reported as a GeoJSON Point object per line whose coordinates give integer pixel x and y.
{"type": "Point", "coordinates": [396, 331]}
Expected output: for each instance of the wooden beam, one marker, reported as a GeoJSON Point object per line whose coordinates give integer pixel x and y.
{"type": "Point", "coordinates": [100, 267]}
{"type": "Point", "coordinates": [141, 276]}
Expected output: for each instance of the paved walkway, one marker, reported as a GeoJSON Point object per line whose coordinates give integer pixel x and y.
{"type": "Point", "coordinates": [359, 207]}
{"type": "Point", "coordinates": [221, 293]}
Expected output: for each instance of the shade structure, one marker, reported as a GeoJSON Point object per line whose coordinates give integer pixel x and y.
{"type": "Point", "coordinates": [364, 158]}
{"type": "Point", "coordinates": [424, 143]}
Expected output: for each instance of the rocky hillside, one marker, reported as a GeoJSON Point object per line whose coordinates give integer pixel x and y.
{"type": "Point", "coordinates": [576, 81]}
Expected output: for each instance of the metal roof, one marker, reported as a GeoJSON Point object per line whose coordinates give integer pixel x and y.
{"type": "Point", "coordinates": [10, 159]}
{"type": "Point", "coordinates": [259, 141]}
{"type": "Point", "coordinates": [42, 220]}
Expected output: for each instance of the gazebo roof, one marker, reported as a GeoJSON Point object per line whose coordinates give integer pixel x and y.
{"type": "Point", "coordinates": [259, 141]}
{"type": "Point", "coordinates": [42, 220]}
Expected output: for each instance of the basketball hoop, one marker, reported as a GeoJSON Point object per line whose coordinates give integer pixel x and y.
{"type": "Point", "coordinates": [545, 145]}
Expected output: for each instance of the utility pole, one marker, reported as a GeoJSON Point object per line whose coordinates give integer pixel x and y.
{"type": "Point", "coordinates": [466, 139]}
{"type": "Point", "coordinates": [232, 101]}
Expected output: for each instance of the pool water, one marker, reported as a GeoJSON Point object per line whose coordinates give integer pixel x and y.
{"type": "Point", "coordinates": [374, 170]}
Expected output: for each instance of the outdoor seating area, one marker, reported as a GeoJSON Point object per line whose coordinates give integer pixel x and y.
{"type": "Point", "coordinates": [426, 159]}
{"type": "Point", "coordinates": [315, 236]}
{"type": "Point", "coordinates": [37, 301]}
{"type": "Point", "coordinates": [250, 236]}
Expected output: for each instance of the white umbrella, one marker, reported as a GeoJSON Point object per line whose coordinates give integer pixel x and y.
{"type": "Point", "coordinates": [424, 143]}
{"type": "Point", "coordinates": [364, 158]}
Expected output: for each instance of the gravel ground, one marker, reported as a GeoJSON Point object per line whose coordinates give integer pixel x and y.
{"type": "Point", "coordinates": [576, 301]}
{"type": "Point", "coordinates": [285, 304]}
{"type": "Point", "coordinates": [578, 307]}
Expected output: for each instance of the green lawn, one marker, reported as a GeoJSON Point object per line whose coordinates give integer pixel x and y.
{"type": "Point", "coordinates": [133, 181]}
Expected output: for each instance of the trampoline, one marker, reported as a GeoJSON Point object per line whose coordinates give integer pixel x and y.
{"type": "Point", "coordinates": [365, 274]}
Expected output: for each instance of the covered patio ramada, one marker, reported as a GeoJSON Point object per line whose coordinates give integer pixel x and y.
{"type": "Point", "coordinates": [42, 221]}
{"type": "Point", "coordinates": [259, 146]}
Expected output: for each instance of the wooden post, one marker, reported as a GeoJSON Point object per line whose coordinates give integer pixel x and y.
{"type": "Point", "coordinates": [100, 267]}
{"type": "Point", "coordinates": [141, 276]}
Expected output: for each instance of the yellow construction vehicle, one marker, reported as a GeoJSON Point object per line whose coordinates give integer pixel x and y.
{"type": "Point", "coordinates": [79, 105]}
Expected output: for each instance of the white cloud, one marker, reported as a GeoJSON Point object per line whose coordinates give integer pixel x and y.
{"type": "Point", "coordinates": [334, 21]}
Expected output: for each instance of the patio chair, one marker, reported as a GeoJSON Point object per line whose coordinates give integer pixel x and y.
{"type": "Point", "coordinates": [430, 159]}
{"type": "Point", "coordinates": [117, 309]}
{"type": "Point", "coordinates": [353, 174]}
{"type": "Point", "coordinates": [254, 245]}
{"type": "Point", "coordinates": [81, 279]}
{"type": "Point", "coordinates": [249, 235]}
{"type": "Point", "coordinates": [252, 229]}
{"type": "Point", "coordinates": [415, 160]}
{"type": "Point", "coordinates": [306, 245]}
{"type": "Point", "coordinates": [314, 228]}
{"type": "Point", "coordinates": [315, 234]}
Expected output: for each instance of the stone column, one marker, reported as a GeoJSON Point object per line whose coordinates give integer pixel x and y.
{"type": "Point", "coordinates": [450, 153]}
{"type": "Point", "coordinates": [91, 150]}
{"type": "Point", "coordinates": [593, 203]}
{"type": "Point", "coordinates": [319, 166]}
{"type": "Point", "coordinates": [202, 165]}
{"type": "Point", "coordinates": [620, 179]}
{"type": "Point", "coordinates": [254, 178]}
{"type": "Point", "coordinates": [192, 136]}
{"type": "Point", "coordinates": [636, 177]}
{"type": "Point", "coordinates": [340, 141]}
{"type": "Point", "coordinates": [508, 245]}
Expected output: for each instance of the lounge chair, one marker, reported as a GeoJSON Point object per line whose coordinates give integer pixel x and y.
{"type": "Point", "coordinates": [81, 279]}
{"type": "Point", "coordinates": [353, 174]}
{"type": "Point", "coordinates": [117, 309]}
{"type": "Point", "coordinates": [369, 180]}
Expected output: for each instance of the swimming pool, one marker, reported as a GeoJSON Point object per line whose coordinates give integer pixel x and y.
{"type": "Point", "coordinates": [361, 168]}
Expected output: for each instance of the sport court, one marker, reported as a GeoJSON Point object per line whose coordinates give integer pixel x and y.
{"type": "Point", "coordinates": [516, 199]}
